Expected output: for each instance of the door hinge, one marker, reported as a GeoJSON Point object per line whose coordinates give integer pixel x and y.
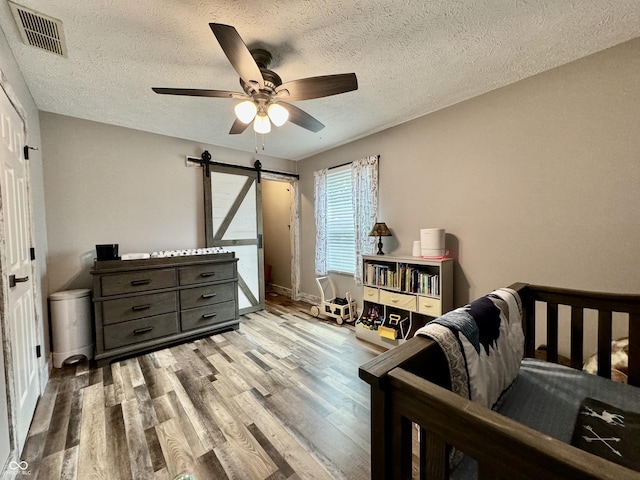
{"type": "Point", "coordinates": [38, 351]}
{"type": "Point", "coordinates": [26, 149]}
{"type": "Point", "coordinates": [32, 253]}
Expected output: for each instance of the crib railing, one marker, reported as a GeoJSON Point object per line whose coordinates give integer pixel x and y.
{"type": "Point", "coordinates": [410, 386]}
{"type": "Point", "coordinates": [604, 303]}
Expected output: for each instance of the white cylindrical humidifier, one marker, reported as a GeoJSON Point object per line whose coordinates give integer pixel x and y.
{"type": "Point", "coordinates": [432, 242]}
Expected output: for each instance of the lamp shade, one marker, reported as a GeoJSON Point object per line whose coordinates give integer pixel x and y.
{"type": "Point", "coordinates": [380, 230]}
{"type": "Point", "coordinates": [261, 124]}
{"type": "Point", "coordinates": [245, 111]}
{"type": "Point", "coordinates": [278, 114]}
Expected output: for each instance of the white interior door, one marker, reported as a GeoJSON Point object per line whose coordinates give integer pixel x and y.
{"type": "Point", "coordinates": [19, 313]}
{"type": "Point", "coordinates": [5, 447]}
{"type": "Point", "coordinates": [234, 221]}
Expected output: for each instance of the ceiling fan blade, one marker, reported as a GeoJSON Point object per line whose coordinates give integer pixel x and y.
{"type": "Point", "coordinates": [302, 118]}
{"type": "Point", "coordinates": [238, 54]}
{"type": "Point", "coordinates": [238, 127]}
{"type": "Point", "coordinates": [317, 87]}
{"type": "Point", "coordinates": [196, 92]}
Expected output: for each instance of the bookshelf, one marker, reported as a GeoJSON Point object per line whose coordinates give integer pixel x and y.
{"type": "Point", "coordinates": [402, 293]}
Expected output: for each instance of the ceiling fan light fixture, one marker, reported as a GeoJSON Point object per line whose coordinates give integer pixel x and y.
{"type": "Point", "coordinates": [261, 124]}
{"type": "Point", "coordinates": [246, 111]}
{"type": "Point", "coordinates": [278, 114]}
{"type": "Point", "coordinates": [263, 88]}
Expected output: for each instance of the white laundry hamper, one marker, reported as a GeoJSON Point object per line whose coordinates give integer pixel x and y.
{"type": "Point", "coordinates": [71, 326]}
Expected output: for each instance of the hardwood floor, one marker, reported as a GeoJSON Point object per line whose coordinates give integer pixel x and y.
{"type": "Point", "coordinates": [278, 399]}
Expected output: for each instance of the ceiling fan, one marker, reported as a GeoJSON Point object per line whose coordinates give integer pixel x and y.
{"type": "Point", "coordinates": [264, 93]}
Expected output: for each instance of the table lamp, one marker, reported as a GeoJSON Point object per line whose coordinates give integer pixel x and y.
{"type": "Point", "coordinates": [380, 230]}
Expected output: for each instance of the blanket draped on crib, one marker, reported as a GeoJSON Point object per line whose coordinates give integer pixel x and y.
{"type": "Point", "coordinates": [484, 344]}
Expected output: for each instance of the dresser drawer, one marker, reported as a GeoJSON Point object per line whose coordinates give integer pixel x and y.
{"type": "Point", "coordinates": [133, 282]}
{"type": "Point", "coordinates": [136, 331]}
{"type": "Point", "coordinates": [371, 294]}
{"type": "Point", "coordinates": [208, 295]}
{"type": "Point", "coordinates": [429, 306]}
{"type": "Point", "coordinates": [209, 315]}
{"type": "Point", "coordinates": [206, 273]}
{"type": "Point", "coordinates": [130, 308]}
{"type": "Point", "coordinates": [398, 300]}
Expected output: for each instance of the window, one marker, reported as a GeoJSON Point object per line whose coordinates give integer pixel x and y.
{"type": "Point", "coordinates": [345, 208]}
{"type": "Point", "coordinates": [341, 237]}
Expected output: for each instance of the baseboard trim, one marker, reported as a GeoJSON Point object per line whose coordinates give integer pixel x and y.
{"type": "Point", "coordinates": [312, 299]}
{"type": "Point", "coordinates": [303, 297]}
{"type": "Point", "coordinates": [280, 290]}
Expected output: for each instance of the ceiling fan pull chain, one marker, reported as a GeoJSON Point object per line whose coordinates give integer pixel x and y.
{"type": "Point", "coordinates": [263, 141]}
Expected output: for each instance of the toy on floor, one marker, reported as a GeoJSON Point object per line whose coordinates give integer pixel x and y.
{"type": "Point", "coordinates": [342, 309]}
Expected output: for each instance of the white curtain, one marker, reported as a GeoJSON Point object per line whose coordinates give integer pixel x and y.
{"type": "Point", "coordinates": [364, 177]}
{"type": "Point", "coordinates": [320, 201]}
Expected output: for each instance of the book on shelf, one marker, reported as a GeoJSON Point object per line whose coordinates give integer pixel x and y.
{"type": "Point", "coordinates": [380, 275]}
{"type": "Point", "coordinates": [416, 280]}
{"type": "Point", "coordinates": [407, 278]}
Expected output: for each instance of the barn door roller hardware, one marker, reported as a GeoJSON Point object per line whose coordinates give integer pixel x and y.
{"type": "Point", "coordinates": [206, 162]}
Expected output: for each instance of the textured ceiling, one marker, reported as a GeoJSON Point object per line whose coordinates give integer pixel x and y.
{"type": "Point", "coordinates": [411, 57]}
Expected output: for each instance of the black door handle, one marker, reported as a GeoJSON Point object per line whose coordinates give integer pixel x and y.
{"type": "Point", "coordinates": [13, 280]}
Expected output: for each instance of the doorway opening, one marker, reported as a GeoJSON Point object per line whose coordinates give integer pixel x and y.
{"type": "Point", "coordinates": [280, 227]}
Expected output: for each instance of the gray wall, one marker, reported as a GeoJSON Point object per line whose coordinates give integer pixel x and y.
{"type": "Point", "coordinates": [108, 184]}
{"type": "Point", "coordinates": [537, 182]}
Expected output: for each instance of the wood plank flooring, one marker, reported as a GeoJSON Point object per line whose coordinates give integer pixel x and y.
{"type": "Point", "coordinates": [280, 398]}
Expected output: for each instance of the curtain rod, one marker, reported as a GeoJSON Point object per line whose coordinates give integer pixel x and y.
{"type": "Point", "coordinates": [344, 164]}
{"type": "Point", "coordinates": [338, 166]}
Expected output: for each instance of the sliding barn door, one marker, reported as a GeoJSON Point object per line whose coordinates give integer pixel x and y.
{"type": "Point", "coordinates": [233, 209]}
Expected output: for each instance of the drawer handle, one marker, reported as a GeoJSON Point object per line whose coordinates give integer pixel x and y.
{"type": "Point", "coordinates": [209, 295]}
{"type": "Point", "coordinates": [137, 308]}
{"type": "Point", "coordinates": [136, 283]}
{"type": "Point", "coordinates": [209, 315]}
{"type": "Point", "coordinates": [207, 274]}
{"type": "Point", "coordinates": [140, 331]}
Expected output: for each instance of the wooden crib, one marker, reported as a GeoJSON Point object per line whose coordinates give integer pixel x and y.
{"type": "Point", "coordinates": [410, 385]}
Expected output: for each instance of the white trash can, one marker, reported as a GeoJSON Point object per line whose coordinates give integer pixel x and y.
{"type": "Point", "coordinates": [71, 326]}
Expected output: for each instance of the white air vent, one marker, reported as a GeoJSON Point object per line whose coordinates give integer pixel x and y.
{"type": "Point", "coordinates": [39, 30]}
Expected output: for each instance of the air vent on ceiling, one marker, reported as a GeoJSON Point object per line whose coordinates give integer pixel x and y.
{"type": "Point", "coordinates": [39, 30]}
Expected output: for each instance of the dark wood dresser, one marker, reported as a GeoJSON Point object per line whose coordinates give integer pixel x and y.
{"type": "Point", "coordinates": [142, 305]}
